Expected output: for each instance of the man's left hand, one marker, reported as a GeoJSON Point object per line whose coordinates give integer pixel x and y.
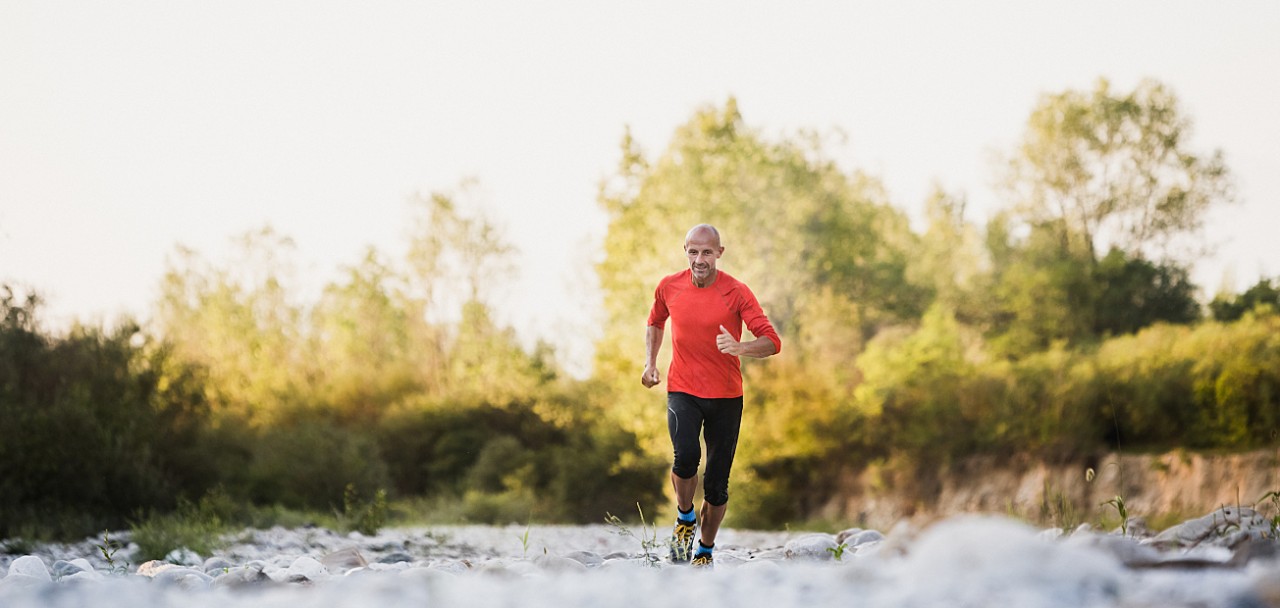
{"type": "Point", "coordinates": [727, 343]}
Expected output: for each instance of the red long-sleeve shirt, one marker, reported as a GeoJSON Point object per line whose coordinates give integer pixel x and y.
{"type": "Point", "coordinates": [697, 365]}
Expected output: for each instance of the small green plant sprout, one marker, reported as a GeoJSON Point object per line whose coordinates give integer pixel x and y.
{"type": "Point", "coordinates": [649, 542]}
{"type": "Point", "coordinates": [1118, 504]}
{"type": "Point", "coordinates": [524, 542]}
{"type": "Point", "coordinates": [109, 548]}
{"type": "Point", "coordinates": [838, 551]}
{"type": "Point", "coordinates": [1273, 498]}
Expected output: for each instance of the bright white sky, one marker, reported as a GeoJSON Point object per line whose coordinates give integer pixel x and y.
{"type": "Point", "coordinates": [127, 128]}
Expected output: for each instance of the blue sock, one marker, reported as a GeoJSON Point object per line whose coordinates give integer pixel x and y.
{"type": "Point", "coordinates": [703, 549]}
{"type": "Point", "coordinates": [685, 516]}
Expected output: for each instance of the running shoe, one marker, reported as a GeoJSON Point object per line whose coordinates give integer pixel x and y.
{"type": "Point", "coordinates": [682, 541]}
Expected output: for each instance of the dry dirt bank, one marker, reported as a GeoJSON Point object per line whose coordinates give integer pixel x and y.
{"type": "Point", "coordinates": [1160, 487]}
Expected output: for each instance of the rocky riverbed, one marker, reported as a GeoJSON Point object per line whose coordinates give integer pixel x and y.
{"type": "Point", "coordinates": [1228, 558]}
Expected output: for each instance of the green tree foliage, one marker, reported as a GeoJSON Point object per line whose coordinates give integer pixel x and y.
{"type": "Point", "coordinates": [1111, 167]}
{"type": "Point", "coordinates": [93, 424]}
{"type": "Point", "coordinates": [1041, 292]}
{"type": "Point", "coordinates": [1134, 293]}
{"type": "Point", "coordinates": [1264, 293]}
{"type": "Point", "coordinates": [1099, 170]}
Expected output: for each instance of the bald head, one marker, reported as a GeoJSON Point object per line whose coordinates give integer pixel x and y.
{"type": "Point", "coordinates": [702, 232]}
{"type": "Point", "coordinates": [702, 246]}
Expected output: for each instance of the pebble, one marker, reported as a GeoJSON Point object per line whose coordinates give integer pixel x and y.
{"type": "Point", "coordinates": [812, 547]}
{"type": "Point", "coordinates": [32, 566]}
{"type": "Point", "coordinates": [300, 559]}
{"type": "Point", "coordinates": [343, 560]}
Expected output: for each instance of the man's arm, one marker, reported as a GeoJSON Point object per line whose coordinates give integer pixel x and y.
{"type": "Point", "coordinates": [653, 342]}
{"type": "Point", "coordinates": [759, 348]}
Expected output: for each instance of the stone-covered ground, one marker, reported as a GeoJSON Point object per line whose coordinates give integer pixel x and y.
{"type": "Point", "coordinates": [1228, 558]}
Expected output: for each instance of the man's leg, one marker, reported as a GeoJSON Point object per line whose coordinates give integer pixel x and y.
{"type": "Point", "coordinates": [684, 422]}
{"type": "Point", "coordinates": [684, 489]}
{"type": "Point", "coordinates": [723, 420]}
{"type": "Point", "coordinates": [711, 516]}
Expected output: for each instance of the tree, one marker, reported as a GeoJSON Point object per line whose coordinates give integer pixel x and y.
{"type": "Point", "coordinates": [1115, 170]}
{"type": "Point", "coordinates": [1230, 308]}
{"type": "Point", "coordinates": [238, 321]}
{"type": "Point", "coordinates": [1134, 293]}
{"type": "Point", "coordinates": [950, 259]}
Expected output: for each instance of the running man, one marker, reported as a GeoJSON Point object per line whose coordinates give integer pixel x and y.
{"type": "Point", "coordinates": [707, 308]}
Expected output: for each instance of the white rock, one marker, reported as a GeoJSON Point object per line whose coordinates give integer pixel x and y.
{"type": "Point", "coordinates": [1215, 528]}
{"type": "Point", "coordinates": [844, 535]}
{"type": "Point", "coordinates": [343, 560]}
{"type": "Point", "coordinates": [864, 537]}
{"type": "Point", "coordinates": [30, 565]}
{"type": "Point", "coordinates": [812, 547]}
{"type": "Point", "coordinates": [189, 579]}
{"type": "Point", "coordinates": [153, 567]}
{"type": "Point", "coordinates": [555, 563]}
{"type": "Point", "coordinates": [307, 566]}
{"type": "Point", "coordinates": [586, 558]}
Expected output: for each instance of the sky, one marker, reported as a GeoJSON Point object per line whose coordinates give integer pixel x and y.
{"type": "Point", "coordinates": [129, 128]}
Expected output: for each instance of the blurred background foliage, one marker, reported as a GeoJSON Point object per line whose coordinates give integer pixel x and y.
{"type": "Point", "coordinates": [1062, 327]}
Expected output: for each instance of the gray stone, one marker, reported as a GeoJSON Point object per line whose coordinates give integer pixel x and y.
{"type": "Point", "coordinates": [586, 558]}
{"type": "Point", "coordinates": [240, 578]}
{"type": "Point", "coordinates": [184, 557]}
{"type": "Point", "coordinates": [395, 558]}
{"type": "Point", "coordinates": [217, 565]}
{"type": "Point", "coordinates": [63, 568]}
{"type": "Point", "coordinates": [1214, 528]}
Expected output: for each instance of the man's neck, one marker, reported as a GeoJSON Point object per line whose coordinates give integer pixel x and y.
{"type": "Point", "coordinates": [708, 282]}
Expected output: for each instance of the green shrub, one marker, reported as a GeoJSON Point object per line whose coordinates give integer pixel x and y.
{"type": "Point", "coordinates": [196, 526]}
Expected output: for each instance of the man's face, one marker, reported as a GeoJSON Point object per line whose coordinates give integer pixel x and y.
{"type": "Point", "coordinates": [703, 249]}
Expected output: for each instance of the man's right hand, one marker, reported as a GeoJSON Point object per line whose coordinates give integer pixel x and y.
{"type": "Point", "coordinates": [650, 378]}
